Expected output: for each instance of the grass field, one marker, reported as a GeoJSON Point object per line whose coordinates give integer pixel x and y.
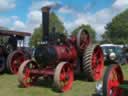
{"type": "Point", "coordinates": [9, 87]}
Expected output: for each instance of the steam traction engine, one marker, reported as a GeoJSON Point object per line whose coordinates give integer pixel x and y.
{"type": "Point", "coordinates": [11, 55]}
{"type": "Point", "coordinates": [60, 57]}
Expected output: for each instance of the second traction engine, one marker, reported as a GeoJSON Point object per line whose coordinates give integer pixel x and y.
{"type": "Point", "coordinates": [59, 57]}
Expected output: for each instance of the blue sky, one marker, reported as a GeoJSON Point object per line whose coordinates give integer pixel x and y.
{"type": "Point", "coordinates": [22, 6]}
{"type": "Point", "coordinates": [25, 15]}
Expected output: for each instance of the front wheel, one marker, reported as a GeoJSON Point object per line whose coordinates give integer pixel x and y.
{"type": "Point", "coordinates": [112, 79]}
{"type": "Point", "coordinates": [63, 76]}
{"type": "Point", "coordinates": [24, 77]}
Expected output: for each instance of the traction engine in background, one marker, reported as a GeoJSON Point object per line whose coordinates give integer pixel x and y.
{"type": "Point", "coordinates": [11, 55]}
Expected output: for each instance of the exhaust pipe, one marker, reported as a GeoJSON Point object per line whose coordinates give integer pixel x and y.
{"type": "Point", "coordinates": [45, 23]}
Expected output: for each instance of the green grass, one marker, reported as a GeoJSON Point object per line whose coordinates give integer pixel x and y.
{"type": "Point", "coordinates": [9, 87]}
{"type": "Point", "coordinates": [125, 71]}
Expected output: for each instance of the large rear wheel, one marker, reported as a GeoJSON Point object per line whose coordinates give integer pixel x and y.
{"type": "Point", "coordinates": [112, 79]}
{"type": "Point", "coordinates": [83, 40]}
{"type": "Point", "coordinates": [63, 76]}
{"type": "Point", "coordinates": [93, 62]}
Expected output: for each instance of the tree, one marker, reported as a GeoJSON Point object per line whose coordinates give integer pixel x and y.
{"type": "Point", "coordinates": [36, 37]}
{"type": "Point", "coordinates": [88, 28]}
{"type": "Point", "coordinates": [54, 22]}
{"type": "Point", "coordinates": [117, 30]}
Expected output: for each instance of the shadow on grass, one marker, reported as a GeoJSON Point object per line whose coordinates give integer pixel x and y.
{"type": "Point", "coordinates": [95, 94]}
{"type": "Point", "coordinates": [6, 71]}
{"type": "Point", "coordinates": [82, 77]}
{"type": "Point", "coordinates": [44, 83]}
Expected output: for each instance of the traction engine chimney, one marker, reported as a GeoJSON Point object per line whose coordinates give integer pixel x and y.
{"type": "Point", "coordinates": [45, 23]}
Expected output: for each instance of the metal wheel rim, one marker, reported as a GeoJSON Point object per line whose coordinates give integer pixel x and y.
{"type": "Point", "coordinates": [15, 59]}
{"type": "Point", "coordinates": [97, 63]}
{"type": "Point", "coordinates": [114, 82]}
{"type": "Point", "coordinates": [63, 71]}
{"type": "Point", "coordinates": [24, 76]}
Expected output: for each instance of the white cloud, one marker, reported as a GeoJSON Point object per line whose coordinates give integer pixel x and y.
{"type": "Point", "coordinates": [19, 25]}
{"type": "Point", "coordinates": [35, 17]}
{"type": "Point", "coordinates": [66, 9]}
{"type": "Point", "coordinates": [4, 21]}
{"type": "Point", "coordinates": [38, 5]}
{"type": "Point", "coordinates": [120, 4]}
{"type": "Point", "coordinates": [33, 20]}
{"type": "Point", "coordinates": [6, 5]}
{"type": "Point", "coordinates": [14, 18]}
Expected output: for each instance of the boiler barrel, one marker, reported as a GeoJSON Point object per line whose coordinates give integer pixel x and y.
{"type": "Point", "coordinates": [64, 53]}
{"type": "Point", "coordinates": [52, 54]}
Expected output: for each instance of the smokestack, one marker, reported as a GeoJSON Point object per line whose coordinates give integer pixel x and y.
{"type": "Point", "coordinates": [45, 22]}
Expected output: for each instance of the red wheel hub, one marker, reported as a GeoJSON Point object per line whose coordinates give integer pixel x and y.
{"type": "Point", "coordinates": [84, 40]}
{"type": "Point", "coordinates": [66, 78]}
{"type": "Point", "coordinates": [29, 79]}
{"type": "Point", "coordinates": [25, 76]}
{"type": "Point", "coordinates": [63, 76]}
{"type": "Point", "coordinates": [97, 63]}
{"type": "Point", "coordinates": [115, 78]}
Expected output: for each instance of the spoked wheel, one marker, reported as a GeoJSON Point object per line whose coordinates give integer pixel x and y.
{"type": "Point", "coordinates": [83, 40]}
{"type": "Point", "coordinates": [14, 61]}
{"type": "Point", "coordinates": [25, 78]}
{"type": "Point", "coordinates": [112, 79]}
{"type": "Point", "coordinates": [93, 62]}
{"type": "Point", "coordinates": [63, 76]}
{"type": "Point", "coordinates": [2, 64]}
